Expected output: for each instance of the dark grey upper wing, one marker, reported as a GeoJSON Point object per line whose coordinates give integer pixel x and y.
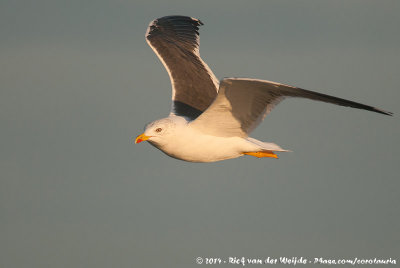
{"type": "Point", "coordinates": [243, 103]}
{"type": "Point", "coordinates": [175, 40]}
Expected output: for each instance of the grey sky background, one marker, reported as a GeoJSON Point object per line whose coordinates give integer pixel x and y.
{"type": "Point", "coordinates": [78, 81]}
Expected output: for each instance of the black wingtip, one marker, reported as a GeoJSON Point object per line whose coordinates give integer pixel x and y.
{"type": "Point", "coordinates": [377, 110]}
{"type": "Point", "coordinates": [383, 112]}
{"type": "Point", "coordinates": [181, 18]}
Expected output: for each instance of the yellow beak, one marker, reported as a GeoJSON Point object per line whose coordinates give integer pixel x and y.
{"type": "Point", "coordinates": [141, 138]}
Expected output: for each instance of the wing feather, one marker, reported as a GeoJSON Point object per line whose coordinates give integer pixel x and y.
{"type": "Point", "coordinates": [243, 103]}
{"type": "Point", "coordinates": [175, 40]}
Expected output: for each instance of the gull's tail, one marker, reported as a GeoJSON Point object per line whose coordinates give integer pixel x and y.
{"type": "Point", "coordinates": [267, 145]}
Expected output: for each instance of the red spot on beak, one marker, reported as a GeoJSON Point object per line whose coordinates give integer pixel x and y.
{"type": "Point", "coordinates": [141, 138]}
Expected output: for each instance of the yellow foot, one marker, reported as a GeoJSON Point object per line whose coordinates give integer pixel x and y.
{"type": "Point", "coordinates": [262, 154]}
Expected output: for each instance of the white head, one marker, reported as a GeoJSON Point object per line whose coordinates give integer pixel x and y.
{"type": "Point", "coordinates": [158, 131]}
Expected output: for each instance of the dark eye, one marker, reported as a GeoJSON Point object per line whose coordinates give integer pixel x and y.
{"type": "Point", "coordinates": [158, 130]}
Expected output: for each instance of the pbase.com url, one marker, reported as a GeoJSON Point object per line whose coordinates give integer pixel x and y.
{"type": "Point", "coordinates": [293, 261]}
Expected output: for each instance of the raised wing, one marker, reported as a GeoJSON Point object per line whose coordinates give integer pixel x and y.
{"type": "Point", "coordinates": [175, 40]}
{"type": "Point", "coordinates": [243, 103]}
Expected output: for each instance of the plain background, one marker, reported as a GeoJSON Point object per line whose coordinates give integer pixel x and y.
{"type": "Point", "coordinates": [78, 83]}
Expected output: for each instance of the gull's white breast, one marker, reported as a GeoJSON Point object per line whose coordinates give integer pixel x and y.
{"type": "Point", "coordinates": [192, 145]}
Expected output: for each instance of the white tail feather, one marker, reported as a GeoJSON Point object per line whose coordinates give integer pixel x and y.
{"type": "Point", "coordinates": [267, 145]}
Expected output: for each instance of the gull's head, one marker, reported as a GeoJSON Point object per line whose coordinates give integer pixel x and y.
{"type": "Point", "coordinates": [157, 132]}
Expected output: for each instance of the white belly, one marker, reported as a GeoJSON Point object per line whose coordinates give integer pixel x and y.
{"type": "Point", "coordinates": [205, 148]}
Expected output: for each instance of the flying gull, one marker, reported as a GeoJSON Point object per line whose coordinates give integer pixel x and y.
{"type": "Point", "coordinates": [211, 120]}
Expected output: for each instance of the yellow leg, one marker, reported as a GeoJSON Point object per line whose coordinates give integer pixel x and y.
{"type": "Point", "coordinates": [262, 154]}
